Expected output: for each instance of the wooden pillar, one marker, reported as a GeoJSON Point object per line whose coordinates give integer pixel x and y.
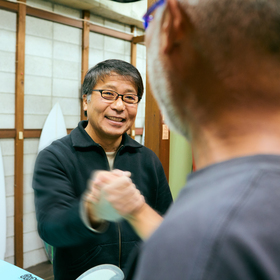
{"type": "Point", "coordinates": [85, 52]}
{"type": "Point", "coordinates": [157, 136]}
{"type": "Point", "coordinates": [133, 55]}
{"type": "Point", "coordinates": [19, 127]}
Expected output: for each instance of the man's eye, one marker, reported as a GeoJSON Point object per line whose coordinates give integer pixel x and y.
{"type": "Point", "coordinates": [130, 97]}
{"type": "Point", "coordinates": [108, 94]}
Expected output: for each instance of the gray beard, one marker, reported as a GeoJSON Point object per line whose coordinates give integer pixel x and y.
{"type": "Point", "coordinates": [161, 88]}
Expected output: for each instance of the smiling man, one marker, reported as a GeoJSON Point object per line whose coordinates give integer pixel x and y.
{"type": "Point", "coordinates": [66, 215]}
{"type": "Point", "coordinates": [109, 116]}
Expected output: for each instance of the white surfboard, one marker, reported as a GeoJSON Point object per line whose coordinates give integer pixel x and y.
{"type": "Point", "coordinates": [12, 272]}
{"type": "Point", "coordinates": [103, 272]}
{"type": "Point", "coordinates": [2, 210]}
{"type": "Point", "coordinates": [53, 129]}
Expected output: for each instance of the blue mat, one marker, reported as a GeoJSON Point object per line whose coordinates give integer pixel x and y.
{"type": "Point", "coordinates": [11, 272]}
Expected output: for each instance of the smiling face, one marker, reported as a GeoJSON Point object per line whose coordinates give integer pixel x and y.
{"type": "Point", "coordinates": [108, 121]}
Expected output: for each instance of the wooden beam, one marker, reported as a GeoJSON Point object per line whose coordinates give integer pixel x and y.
{"type": "Point", "coordinates": [42, 14]}
{"type": "Point", "coordinates": [85, 52]}
{"type": "Point", "coordinates": [152, 122]}
{"type": "Point", "coordinates": [138, 131]}
{"type": "Point", "coordinates": [29, 133]}
{"type": "Point", "coordinates": [36, 133]}
{"type": "Point", "coordinates": [138, 39]}
{"type": "Point", "coordinates": [110, 32]}
{"type": "Point", "coordinates": [133, 56]}
{"type": "Point", "coordinates": [19, 126]}
{"type": "Point", "coordinates": [7, 133]}
{"type": "Point", "coordinates": [9, 6]}
{"type": "Point", "coordinates": [32, 133]}
{"type": "Point", "coordinates": [164, 148]}
{"type": "Point", "coordinates": [156, 132]}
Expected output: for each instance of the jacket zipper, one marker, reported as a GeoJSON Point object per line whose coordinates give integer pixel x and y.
{"type": "Point", "coordinates": [120, 244]}
{"type": "Point", "coordinates": [118, 225]}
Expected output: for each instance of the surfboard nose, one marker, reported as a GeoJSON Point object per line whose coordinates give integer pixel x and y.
{"type": "Point", "coordinates": [103, 272]}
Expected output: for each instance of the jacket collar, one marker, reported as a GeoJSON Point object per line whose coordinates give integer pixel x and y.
{"type": "Point", "coordinates": [81, 139]}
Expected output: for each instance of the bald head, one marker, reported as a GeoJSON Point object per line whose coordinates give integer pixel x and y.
{"type": "Point", "coordinates": [226, 52]}
{"type": "Point", "coordinates": [239, 22]}
{"type": "Point", "coordinates": [241, 41]}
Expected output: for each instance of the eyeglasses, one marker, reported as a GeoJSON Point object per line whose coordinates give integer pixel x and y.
{"type": "Point", "coordinates": [148, 17]}
{"type": "Point", "coordinates": [111, 95]}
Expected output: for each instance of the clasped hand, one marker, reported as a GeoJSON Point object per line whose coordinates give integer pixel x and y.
{"type": "Point", "coordinates": [117, 188]}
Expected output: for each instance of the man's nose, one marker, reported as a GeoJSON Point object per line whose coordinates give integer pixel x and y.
{"type": "Point", "coordinates": [118, 104]}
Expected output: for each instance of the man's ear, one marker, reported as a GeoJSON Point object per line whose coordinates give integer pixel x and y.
{"type": "Point", "coordinates": [175, 26]}
{"type": "Point", "coordinates": [85, 103]}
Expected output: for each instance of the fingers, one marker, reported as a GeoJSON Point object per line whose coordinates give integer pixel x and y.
{"type": "Point", "coordinates": [111, 182]}
{"type": "Point", "coordinates": [129, 206]}
{"type": "Point", "coordinates": [117, 188]}
{"type": "Point", "coordinates": [123, 196]}
{"type": "Point", "coordinates": [119, 173]}
{"type": "Point", "coordinates": [93, 193]}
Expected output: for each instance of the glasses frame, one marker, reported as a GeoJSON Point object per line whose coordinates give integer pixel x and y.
{"type": "Point", "coordinates": [147, 18]}
{"type": "Point", "coordinates": [117, 96]}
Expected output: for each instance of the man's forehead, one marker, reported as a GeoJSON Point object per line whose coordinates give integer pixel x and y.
{"type": "Point", "coordinates": [113, 79]}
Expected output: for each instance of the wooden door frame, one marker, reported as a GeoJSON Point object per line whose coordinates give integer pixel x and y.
{"type": "Point", "coordinates": [157, 135]}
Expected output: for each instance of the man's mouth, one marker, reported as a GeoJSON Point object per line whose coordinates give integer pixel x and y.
{"type": "Point", "coordinates": [115, 119]}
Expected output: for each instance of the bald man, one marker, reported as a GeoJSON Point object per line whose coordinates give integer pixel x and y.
{"type": "Point", "coordinates": [214, 68]}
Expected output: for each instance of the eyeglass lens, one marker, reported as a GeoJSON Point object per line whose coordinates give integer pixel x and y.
{"type": "Point", "coordinates": [112, 96]}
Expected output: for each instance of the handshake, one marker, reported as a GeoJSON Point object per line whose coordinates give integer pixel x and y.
{"type": "Point", "coordinates": [111, 196]}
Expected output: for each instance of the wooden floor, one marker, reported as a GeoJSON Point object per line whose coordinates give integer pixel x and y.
{"type": "Point", "coordinates": [43, 270]}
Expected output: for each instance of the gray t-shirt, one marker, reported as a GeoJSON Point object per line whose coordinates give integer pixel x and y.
{"type": "Point", "coordinates": [224, 225]}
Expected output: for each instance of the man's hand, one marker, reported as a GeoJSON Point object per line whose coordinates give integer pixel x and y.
{"type": "Point", "coordinates": [117, 188]}
{"type": "Point", "coordinates": [112, 190]}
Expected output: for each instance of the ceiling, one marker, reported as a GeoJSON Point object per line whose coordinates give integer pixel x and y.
{"type": "Point", "coordinates": [128, 13]}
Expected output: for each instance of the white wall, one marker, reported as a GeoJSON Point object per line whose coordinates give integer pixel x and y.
{"type": "Point", "coordinates": [7, 119]}
{"type": "Point", "coordinates": [7, 68]}
{"type": "Point", "coordinates": [52, 74]}
{"type": "Point", "coordinates": [52, 71]}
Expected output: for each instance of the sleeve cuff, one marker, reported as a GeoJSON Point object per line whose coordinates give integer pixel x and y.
{"type": "Point", "coordinates": [101, 229]}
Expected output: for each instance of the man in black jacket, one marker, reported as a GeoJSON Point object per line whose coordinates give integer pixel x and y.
{"type": "Point", "coordinates": [65, 212]}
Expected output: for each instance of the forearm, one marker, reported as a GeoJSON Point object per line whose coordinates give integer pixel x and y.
{"type": "Point", "coordinates": [144, 221]}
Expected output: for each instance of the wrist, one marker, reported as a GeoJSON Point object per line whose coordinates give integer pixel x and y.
{"type": "Point", "coordinates": [94, 221]}
{"type": "Point", "coordinates": [138, 212]}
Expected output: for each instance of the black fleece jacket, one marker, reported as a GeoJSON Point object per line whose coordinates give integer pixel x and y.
{"type": "Point", "coordinates": [60, 179]}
